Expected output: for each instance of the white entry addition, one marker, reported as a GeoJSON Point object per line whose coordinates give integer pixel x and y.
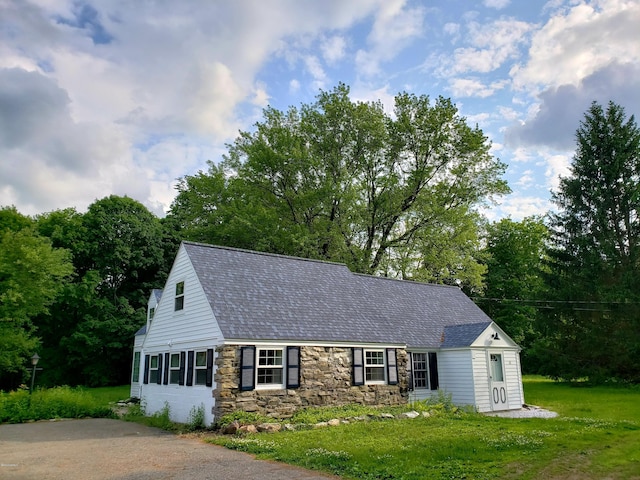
{"type": "Point", "coordinates": [497, 384]}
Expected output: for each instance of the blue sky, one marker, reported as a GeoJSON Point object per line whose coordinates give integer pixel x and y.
{"type": "Point", "coordinates": [105, 97]}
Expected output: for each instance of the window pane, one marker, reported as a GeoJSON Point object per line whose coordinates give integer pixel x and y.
{"type": "Point", "coordinates": [135, 375]}
{"type": "Point", "coordinates": [269, 375]}
{"type": "Point", "coordinates": [175, 360]}
{"type": "Point", "coordinates": [201, 377]}
{"type": "Point", "coordinates": [201, 359]}
{"type": "Point", "coordinates": [153, 376]}
{"type": "Point", "coordinates": [174, 376]}
{"type": "Point", "coordinates": [179, 303]}
{"type": "Point", "coordinates": [270, 357]}
{"type": "Point", "coordinates": [154, 361]}
{"type": "Point", "coordinates": [374, 358]}
{"type": "Point", "coordinates": [180, 288]}
{"type": "Point", "coordinates": [420, 377]}
{"type": "Point", "coordinates": [374, 374]}
{"type": "Point", "coordinates": [496, 368]}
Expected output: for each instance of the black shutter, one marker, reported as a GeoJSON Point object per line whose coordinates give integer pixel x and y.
{"type": "Point", "coordinates": [182, 368]}
{"type": "Point", "coordinates": [159, 381]}
{"type": "Point", "coordinates": [293, 367]}
{"type": "Point", "coordinates": [357, 366]}
{"type": "Point", "coordinates": [166, 369]}
{"type": "Point", "coordinates": [190, 368]}
{"type": "Point", "coordinates": [146, 369]}
{"type": "Point", "coordinates": [392, 366]}
{"type": "Point", "coordinates": [433, 370]}
{"type": "Point", "coordinates": [209, 367]}
{"type": "Point", "coordinates": [247, 367]}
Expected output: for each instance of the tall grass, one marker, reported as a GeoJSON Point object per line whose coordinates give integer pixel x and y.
{"type": "Point", "coordinates": [58, 402]}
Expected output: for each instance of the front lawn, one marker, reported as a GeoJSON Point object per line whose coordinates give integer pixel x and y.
{"type": "Point", "coordinates": [596, 436]}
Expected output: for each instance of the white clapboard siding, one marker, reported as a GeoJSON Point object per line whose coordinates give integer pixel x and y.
{"type": "Point", "coordinates": [513, 379]}
{"type": "Point", "coordinates": [456, 376]}
{"type": "Point", "coordinates": [190, 329]}
{"type": "Point", "coordinates": [481, 380]}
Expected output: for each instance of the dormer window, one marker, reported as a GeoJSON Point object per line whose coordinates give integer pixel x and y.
{"type": "Point", "coordinates": [179, 302]}
{"type": "Point", "coordinates": [152, 311]}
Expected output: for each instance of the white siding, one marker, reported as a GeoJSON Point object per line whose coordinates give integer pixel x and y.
{"type": "Point", "coordinates": [456, 376]}
{"type": "Point", "coordinates": [481, 380]}
{"type": "Point", "coordinates": [513, 378]}
{"type": "Point", "coordinates": [192, 328]}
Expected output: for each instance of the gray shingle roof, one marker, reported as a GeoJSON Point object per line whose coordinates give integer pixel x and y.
{"type": "Point", "coordinates": [260, 296]}
{"type": "Point", "coordinates": [462, 335]}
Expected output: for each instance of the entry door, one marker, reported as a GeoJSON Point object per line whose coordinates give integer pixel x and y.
{"type": "Point", "coordinates": [497, 384]}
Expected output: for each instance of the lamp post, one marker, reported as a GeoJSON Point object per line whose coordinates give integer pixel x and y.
{"type": "Point", "coordinates": [34, 362]}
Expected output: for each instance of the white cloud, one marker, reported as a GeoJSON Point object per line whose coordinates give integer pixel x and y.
{"type": "Point", "coordinates": [491, 45]}
{"type": "Point", "coordinates": [558, 166]}
{"type": "Point", "coordinates": [394, 27]}
{"type": "Point", "coordinates": [518, 207]}
{"type": "Point", "coordinates": [469, 87]}
{"type": "Point", "coordinates": [333, 49]}
{"type": "Point", "coordinates": [497, 4]}
{"type": "Point", "coordinates": [577, 42]}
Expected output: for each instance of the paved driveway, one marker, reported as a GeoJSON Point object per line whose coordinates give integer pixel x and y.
{"type": "Point", "coordinates": [113, 449]}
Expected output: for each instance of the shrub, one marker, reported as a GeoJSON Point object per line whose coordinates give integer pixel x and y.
{"type": "Point", "coordinates": [59, 402]}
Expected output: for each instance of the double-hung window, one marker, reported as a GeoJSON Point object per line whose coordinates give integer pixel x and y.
{"type": "Point", "coordinates": [200, 370]}
{"type": "Point", "coordinates": [269, 370]}
{"type": "Point", "coordinates": [420, 370]}
{"type": "Point", "coordinates": [179, 300]}
{"type": "Point", "coordinates": [174, 368]}
{"type": "Point", "coordinates": [374, 366]}
{"type": "Point", "coordinates": [153, 369]}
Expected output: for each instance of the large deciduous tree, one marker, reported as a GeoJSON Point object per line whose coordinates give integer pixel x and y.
{"type": "Point", "coordinates": [32, 273]}
{"type": "Point", "coordinates": [596, 333]}
{"type": "Point", "coordinates": [345, 181]}
{"type": "Point", "coordinates": [514, 284]}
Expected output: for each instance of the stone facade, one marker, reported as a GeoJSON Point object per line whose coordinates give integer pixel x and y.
{"type": "Point", "coordinates": [325, 379]}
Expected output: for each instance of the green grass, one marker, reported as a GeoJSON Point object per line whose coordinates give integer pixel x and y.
{"type": "Point", "coordinates": [596, 436]}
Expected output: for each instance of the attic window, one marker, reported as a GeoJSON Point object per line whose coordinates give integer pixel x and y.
{"type": "Point", "coordinates": [179, 302]}
{"type": "Point", "coordinates": [152, 311]}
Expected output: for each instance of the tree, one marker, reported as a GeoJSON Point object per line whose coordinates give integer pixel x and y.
{"type": "Point", "coordinates": [514, 284]}
{"type": "Point", "coordinates": [118, 249]}
{"type": "Point", "coordinates": [344, 181]}
{"type": "Point", "coordinates": [31, 275]}
{"type": "Point", "coordinates": [596, 237]}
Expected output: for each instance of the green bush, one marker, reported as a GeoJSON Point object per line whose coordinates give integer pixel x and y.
{"type": "Point", "coordinates": [59, 402]}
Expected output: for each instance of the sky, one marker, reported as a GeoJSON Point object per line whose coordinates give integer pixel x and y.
{"type": "Point", "coordinates": [102, 97]}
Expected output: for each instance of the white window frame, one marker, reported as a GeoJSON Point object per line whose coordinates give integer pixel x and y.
{"type": "Point", "coordinates": [262, 355]}
{"type": "Point", "coordinates": [135, 371]}
{"type": "Point", "coordinates": [178, 304]}
{"type": "Point", "coordinates": [174, 370]}
{"type": "Point", "coordinates": [368, 366]}
{"type": "Point", "coordinates": [425, 370]}
{"type": "Point", "coordinates": [152, 312]}
{"type": "Point", "coordinates": [200, 369]}
{"type": "Point", "coordinates": [153, 369]}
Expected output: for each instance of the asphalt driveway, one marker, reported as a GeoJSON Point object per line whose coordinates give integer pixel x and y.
{"type": "Point", "coordinates": [112, 449]}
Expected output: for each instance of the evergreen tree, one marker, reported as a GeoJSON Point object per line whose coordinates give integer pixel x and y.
{"type": "Point", "coordinates": [595, 331]}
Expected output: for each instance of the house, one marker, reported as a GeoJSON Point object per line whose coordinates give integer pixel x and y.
{"type": "Point", "coordinates": [241, 330]}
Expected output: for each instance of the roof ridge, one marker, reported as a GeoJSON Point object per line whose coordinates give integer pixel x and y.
{"type": "Point", "coordinates": [405, 280]}
{"type": "Point", "coordinates": [266, 254]}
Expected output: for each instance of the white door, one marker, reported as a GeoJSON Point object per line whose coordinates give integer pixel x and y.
{"type": "Point", "coordinates": [497, 385]}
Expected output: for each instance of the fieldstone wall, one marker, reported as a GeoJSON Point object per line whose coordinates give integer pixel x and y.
{"type": "Point", "coordinates": [325, 379]}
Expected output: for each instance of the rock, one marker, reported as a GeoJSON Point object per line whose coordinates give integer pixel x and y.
{"type": "Point", "coordinates": [411, 414]}
{"type": "Point", "coordinates": [288, 427]}
{"type": "Point", "coordinates": [248, 429]}
{"type": "Point", "coordinates": [386, 415]}
{"type": "Point", "coordinates": [269, 427]}
{"type": "Point", "coordinates": [321, 424]}
{"type": "Point", "coordinates": [426, 414]}
{"type": "Point", "coordinates": [232, 428]}
{"type": "Point", "coordinates": [333, 422]}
